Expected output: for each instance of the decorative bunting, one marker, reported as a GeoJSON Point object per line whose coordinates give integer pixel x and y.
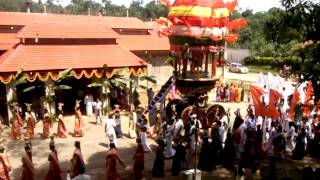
{"type": "Point", "coordinates": [78, 74]}
{"type": "Point", "coordinates": [199, 21]}
{"type": "Point", "coordinates": [199, 11]}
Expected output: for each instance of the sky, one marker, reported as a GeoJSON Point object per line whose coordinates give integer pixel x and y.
{"type": "Point", "coordinates": [256, 5]}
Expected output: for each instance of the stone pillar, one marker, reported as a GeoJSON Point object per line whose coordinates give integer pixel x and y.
{"type": "Point", "coordinates": [50, 95]}
{"type": "Point", "coordinates": [105, 98]}
{"type": "Point", "coordinates": [11, 97]}
{"type": "Point", "coordinates": [206, 62]}
{"type": "Point", "coordinates": [130, 91]}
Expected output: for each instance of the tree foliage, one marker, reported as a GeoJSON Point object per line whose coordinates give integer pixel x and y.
{"type": "Point", "coordinates": [304, 17]}
{"type": "Point", "coordinates": [151, 10]}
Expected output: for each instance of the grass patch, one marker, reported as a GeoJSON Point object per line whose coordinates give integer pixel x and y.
{"type": "Point", "coordinates": [263, 69]}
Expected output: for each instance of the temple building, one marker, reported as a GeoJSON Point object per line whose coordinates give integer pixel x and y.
{"type": "Point", "coordinates": [41, 46]}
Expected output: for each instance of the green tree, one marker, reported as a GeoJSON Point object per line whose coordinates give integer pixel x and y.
{"type": "Point", "coordinates": [117, 80]}
{"type": "Point", "coordinates": [275, 30]}
{"type": "Point", "coordinates": [253, 33]}
{"type": "Point", "coordinates": [304, 17]}
{"type": "Point", "coordinates": [154, 11]}
{"type": "Point", "coordinates": [113, 10]}
{"type": "Point", "coordinates": [136, 9]}
{"type": "Point", "coordinates": [13, 5]}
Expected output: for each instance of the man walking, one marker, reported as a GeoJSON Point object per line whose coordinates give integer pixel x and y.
{"type": "Point", "coordinates": [109, 130]}
{"type": "Point", "coordinates": [98, 106]}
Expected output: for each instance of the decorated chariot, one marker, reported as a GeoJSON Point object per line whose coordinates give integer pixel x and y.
{"type": "Point", "coordinates": [198, 31]}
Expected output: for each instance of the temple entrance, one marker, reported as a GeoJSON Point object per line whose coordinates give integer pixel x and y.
{"type": "Point", "coordinates": [3, 104]}
{"type": "Point", "coordinates": [32, 93]}
{"type": "Point", "coordinates": [78, 91]}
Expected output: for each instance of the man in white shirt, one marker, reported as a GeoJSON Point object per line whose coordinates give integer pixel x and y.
{"type": "Point", "coordinates": [88, 101]}
{"type": "Point", "coordinates": [109, 130]}
{"type": "Point", "coordinates": [192, 132]}
{"type": "Point", "coordinates": [223, 128]}
{"type": "Point", "coordinates": [179, 128]}
{"type": "Point", "coordinates": [81, 176]}
{"type": "Point", "coordinates": [98, 107]}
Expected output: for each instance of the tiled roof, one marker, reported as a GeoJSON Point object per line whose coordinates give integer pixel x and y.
{"type": "Point", "coordinates": [17, 18]}
{"type": "Point", "coordinates": [57, 57]}
{"type": "Point", "coordinates": [66, 31]}
{"type": "Point", "coordinates": [150, 42]}
{"type": "Point", "coordinates": [8, 40]}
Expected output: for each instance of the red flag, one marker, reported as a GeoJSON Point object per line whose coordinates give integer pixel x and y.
{"type": "Point", "coordinates": [272, 111]}
{"type": "Point", "coordinates": [237, 24]}
{"type": "Point", "coordinates": [167, 3]}
{"type": "Point", "coordinates": [309, 92]}
{"type": "Point", "coordinates": [231, 38]}
{"type": "Point", "coordinates": [307, 102]}
{"type": "Point", "coordinates": [256, 93]}
{"type": "Point", "coordinates": [294, 101]}
{"type": "Point", "coordinates": [231, 5]}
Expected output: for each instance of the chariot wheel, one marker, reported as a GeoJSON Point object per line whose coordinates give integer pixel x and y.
{"type": "Point", "coordinates": [213, 111]}
{"type": "Point", "coordinates": [179, 105]}
{"type": "Point", "coordinates": [199, 111]}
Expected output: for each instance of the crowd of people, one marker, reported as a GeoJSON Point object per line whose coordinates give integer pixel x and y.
{"type": "Point", "coordinates": [24, 129]}
{"type": "Point", "coordinates": [230, 93]}
{"type": "Point", "coordinates": [250, 140]}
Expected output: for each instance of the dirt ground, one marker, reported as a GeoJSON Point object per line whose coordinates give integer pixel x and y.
{"type": "Point", "coordinates": [94, 150]}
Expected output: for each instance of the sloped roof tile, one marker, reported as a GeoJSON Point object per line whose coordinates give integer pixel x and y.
{"type": "Point", "coordinates": [66, 31]}
{"type": "Point", "coordinates": [18, 18]}
{"type": "Point", "coordinates": [58, 57]}
{"type": "Point", "coordinates": [8, 40]}
{"type": "Point", "coordinates": [151, 42]}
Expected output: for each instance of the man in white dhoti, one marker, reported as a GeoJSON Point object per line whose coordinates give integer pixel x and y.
{"type": "Point", "coordinates": [143, 135]}
{"type": "Point", "coordinates": [88, 101]}
{"type": "Point", "coordinates": [98, 112]}
{"type": "Point", "coordinates": [195, 125]}
{"type": "Point", "coordinates": [109, 130]}
{"type": "Point", "coordinates": [169, 151]}
{"type": "Point", "coordinates": [223, 128]}
{"type": "Point", "coordinates": [266, 127]}
{"type": "Point", "coordinates": [291, 136]}
{"type": "Point", "coordinates": [272, 135]}
{"type": "Point", "coordinates": [179, 129]}
{"type": "Point", "coordinates": [243, 137]}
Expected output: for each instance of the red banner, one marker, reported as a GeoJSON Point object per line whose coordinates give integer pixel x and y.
{"type": "Point", "coordinates": [256, 93]}
{"type": "Point", "coordinates": [272, 111]}
{"type": "Point", "coordinates": [294, 102]}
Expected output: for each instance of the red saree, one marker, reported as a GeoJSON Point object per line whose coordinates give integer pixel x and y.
{"type": "Point", "coordinates": [54, 172]}
{"type": "Point", "coordinates": [62, 130]}
{"type": "Point", "coordinates": [76, 162]}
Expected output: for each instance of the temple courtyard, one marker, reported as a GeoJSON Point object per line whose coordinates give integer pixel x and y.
{"type": "Point", "coordinates": [94, 150]}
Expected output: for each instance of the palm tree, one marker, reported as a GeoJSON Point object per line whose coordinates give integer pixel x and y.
{"type": "Point", "coordinates": [116, 80]}
{"type": "Point", "coordinates": [50, 88]}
